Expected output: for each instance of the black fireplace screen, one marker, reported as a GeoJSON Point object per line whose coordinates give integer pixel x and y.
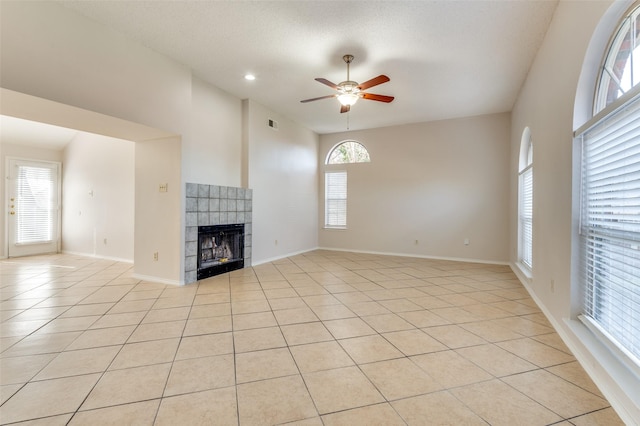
{"type": "Point", "coordinates": [220, 249]}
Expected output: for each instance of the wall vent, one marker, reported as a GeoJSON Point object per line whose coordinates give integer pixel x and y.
{"type": "Point", "coordinates": [273, 124]}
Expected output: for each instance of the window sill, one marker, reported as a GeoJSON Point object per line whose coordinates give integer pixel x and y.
{"type": "Point", "coordinates": [335, 228]}
{"type": "Point", "coordinates": [525, 271]}
{"type": "Point", "coordinates": [617, 382]}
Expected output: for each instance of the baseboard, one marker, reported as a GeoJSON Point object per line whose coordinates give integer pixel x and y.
{"type": "Point", "coordinates": [419, 256]}
{"type": "Point", "coordinates": [158, 280]}
{"type": "Point", "coordinates": [284, 256]}
{"type": "Point", "coordinates": [600, 364]}
{"type": "Point", "coordinates": [95, 256]}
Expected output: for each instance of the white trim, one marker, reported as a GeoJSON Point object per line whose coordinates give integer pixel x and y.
{"type": "Point", "coordinates": [95, 256]}
{"type": "Point", "coordinates": [612, 379]}
{"type": "Point", "coordinates": [408, 255]}
{"type": "Point", "coordinates": [610, 109]}
{"type": "Point", "coordinates": [523, 272]}
{"type": "Point", "coordinates": [158, 280]}
{"type": "Point", "coordinates": [626, 357]}
{"type": "Point", "coordinates": [420, 256]}
{"type": "Point", "coordinates": [284, 256]}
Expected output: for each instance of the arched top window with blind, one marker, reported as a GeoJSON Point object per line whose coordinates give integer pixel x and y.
{"type": "Point", "coordinates": [609, 225]}
{"type": "Point", "coordinates": [526, 150]}
{"type": "Point", "coordinates": [348, 152]}
{"type": "Point", "coordinates": [335, 189]}
{"type": "Point", "coordinates": [525, 203]}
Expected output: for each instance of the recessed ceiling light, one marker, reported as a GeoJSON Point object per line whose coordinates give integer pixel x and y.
{"type": "Point", "coordinates": [250, 77]}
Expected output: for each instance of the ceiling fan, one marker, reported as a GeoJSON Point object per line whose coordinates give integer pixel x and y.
{"type": "Point", "coordinates": [350, 91]}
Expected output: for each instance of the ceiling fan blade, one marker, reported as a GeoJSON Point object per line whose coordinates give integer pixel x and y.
{"type": "Point", "coordinates": [379, 98]}
{"type": "Point", "coordinates": [344, 108]}
{"type": "Point", "coordinates": [327, 82]}
{"type": "Point", "coordinates": [317, 99]}
{"type": "Point", "coordinates": [374, 82]}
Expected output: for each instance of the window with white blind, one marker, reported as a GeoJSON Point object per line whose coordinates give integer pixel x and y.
{"type": "Point", "coordinates": [525, 202]}
{"type": "Point", "coordinates": [608, 271]}
{"type": "Point", "coordinates": [335, 202]}
{"type": "Point", "coordinates": [610, 228]}
{"type": "Point", "coordinates": [35, 204]}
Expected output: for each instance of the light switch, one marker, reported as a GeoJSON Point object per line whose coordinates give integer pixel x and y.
{"type": "Point", "coordinates": [164, 187]}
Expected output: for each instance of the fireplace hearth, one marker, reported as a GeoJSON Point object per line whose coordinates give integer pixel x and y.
{"type": "Point", "coordinates": [220, 249]}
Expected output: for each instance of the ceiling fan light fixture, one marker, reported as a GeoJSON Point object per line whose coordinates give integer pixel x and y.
{"type": "Point", "coordinates": [348, 99]}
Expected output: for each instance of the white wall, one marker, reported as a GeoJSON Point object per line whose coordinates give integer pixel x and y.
{"type": "Point", "coordinates": [158, 214]}
{"type": "Point", "coordinates": [437, 182]}
{"type": "Point", "coordinates": [98, 183]}
{"type": "Point", "coordinates": [283, 173]}
{"type": "Point", "coordinates": [8, 149]}
{"type": "Point", "coordinates": [212, 148]}
{"type": "Point", "coordinates": [546, 106]}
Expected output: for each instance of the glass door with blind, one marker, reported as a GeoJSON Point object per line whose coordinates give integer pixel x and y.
{"type": "Point", "coordinates": [34, 207]}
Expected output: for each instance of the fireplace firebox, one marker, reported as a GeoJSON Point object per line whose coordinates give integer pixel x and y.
{"type": "Point", "coordinates": [220, 249]}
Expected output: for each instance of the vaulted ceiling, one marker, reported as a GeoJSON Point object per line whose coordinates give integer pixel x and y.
{"type": "Point", "coordinates": [446, 59]}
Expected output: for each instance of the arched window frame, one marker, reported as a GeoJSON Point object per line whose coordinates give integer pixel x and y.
{"type": "Point", "coordinates": [620, 70]}
{"type": "Point", "coordinates": [525, 203]}
{"type": "Point", "coordinates": [351, 152]}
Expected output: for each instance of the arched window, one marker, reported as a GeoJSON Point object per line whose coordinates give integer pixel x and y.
{"type": "Point", "coordinates": [525, 201]}
{"type": "Point", "coordinates": [609, 225]}
{"type": "Point", "coordinates": [621, 68]}
{"type": "Point", "coordinates": [348, 152]}
{"type": "Point", "coordinates": [335, 182]}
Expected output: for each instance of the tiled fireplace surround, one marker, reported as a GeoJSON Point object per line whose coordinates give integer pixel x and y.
{"type": "Point", "coordinates": [214, 205]}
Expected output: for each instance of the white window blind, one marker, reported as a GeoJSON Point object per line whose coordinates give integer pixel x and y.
{"type": "Point", "coordinates": [335, 202]}
{"type": "Point", "coordinates": [610, 226]}
{"type": "Point", "coordinates": [35, 218]}
{"type": "Point", "coordinates": [526, 217]}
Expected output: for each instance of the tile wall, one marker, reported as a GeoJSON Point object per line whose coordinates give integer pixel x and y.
{"type": "Point", "coordinates": [215, 205]}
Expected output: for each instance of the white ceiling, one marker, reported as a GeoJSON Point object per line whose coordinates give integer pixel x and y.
{"type": "Point", "coordinates": [445, 58]}
{"type": "Point", "coordinates": [17, 131]}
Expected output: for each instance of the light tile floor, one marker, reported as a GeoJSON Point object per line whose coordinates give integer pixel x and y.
{"type": "Point", "coordinates": [320, 338]}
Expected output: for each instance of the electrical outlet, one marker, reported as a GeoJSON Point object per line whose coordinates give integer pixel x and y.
{"type": "Point", "coordinates": [105, 241]}
{"type": "Point", "coordinates": [553, 285]}
{"type": "Point", "coordinates": [466, 241]}
{"type": "Point", "coordinates": [155, 256]}
{"type": "Point", "coordinates": [416, 242]}
{"type": "Point", "coordinates": [276, 242]}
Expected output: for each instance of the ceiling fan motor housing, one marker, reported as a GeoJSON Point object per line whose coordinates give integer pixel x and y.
{"type": "Point", "coordinates": [349, 87]}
